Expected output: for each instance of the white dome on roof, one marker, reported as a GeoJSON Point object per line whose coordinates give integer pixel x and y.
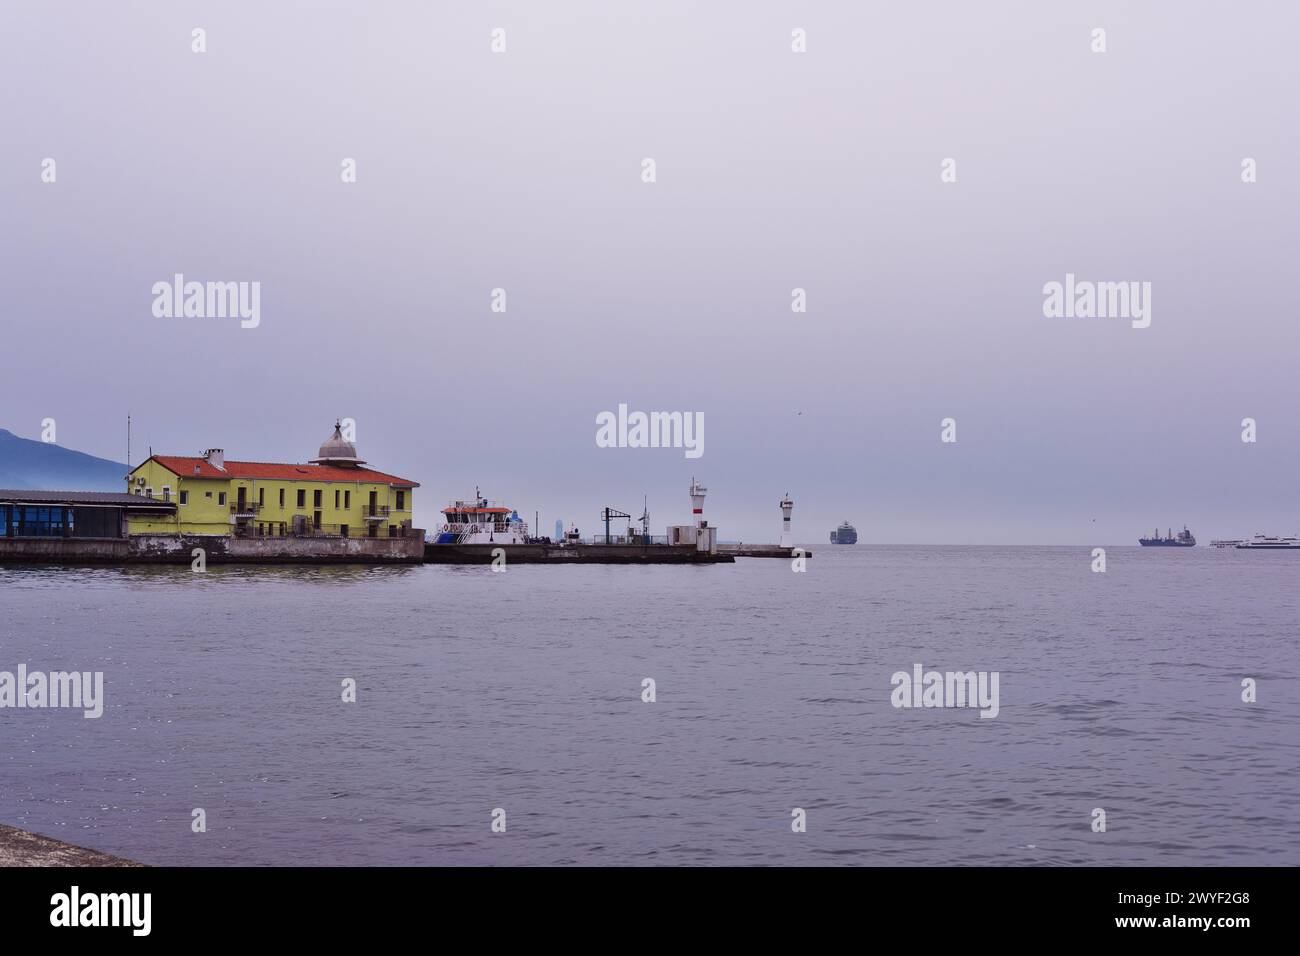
{"type": "Point", "coordinates": [337, 450]}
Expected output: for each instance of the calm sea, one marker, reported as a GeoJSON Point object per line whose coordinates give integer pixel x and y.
{"type": "Point", "coordinates": [523, 691]}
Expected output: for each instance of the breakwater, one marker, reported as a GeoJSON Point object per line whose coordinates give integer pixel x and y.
{"type": "Point", "coordinates": [763, 551]}
{"type": "Point", "coordinates": [572, 554]}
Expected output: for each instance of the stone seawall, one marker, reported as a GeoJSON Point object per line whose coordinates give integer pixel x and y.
{"type": "Point", "coordinates": [217, 549]}
{"type": "Point", "coordinates": [171, 549]}
{"type": "Point", "coordinates": [64, 550]}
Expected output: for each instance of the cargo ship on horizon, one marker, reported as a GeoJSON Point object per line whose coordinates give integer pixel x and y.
{"type": "Point", "coordinates": [845, 534]}
{"type": "Point", "coordinates": [1184, 539]}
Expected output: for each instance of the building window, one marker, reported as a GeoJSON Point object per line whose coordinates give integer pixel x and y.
{"type": "Point", "coordinates": [401, 501]}
{"type": "Point", "coordinates": [261, 497]}
{"type": "Point", "coordinates": [302, 498]}
{"type": "Point", "coordinates": [315, 498]}
{"type": "Point", "coordinates": [167, 492]}
{"type": "Point", "coordinates": [148, 492]}
{"type": "Point", "coordinates": [281, 497]}
{"type": "Point", "coordinates": [336, 499]}
{"type": "Point", "coordinates": [37, 522]}
{"type": "Point", "coordinates": [185, 497]}
{"type": "Point", "coordinates": [347, 499]}
{"type": "Point", "coordinates": [221, 497]}
{"type": "Point", "coordinates": [207, 494]}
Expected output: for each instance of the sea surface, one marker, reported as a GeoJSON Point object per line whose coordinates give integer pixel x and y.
{"type": "Point", "coordinates": [522, 691]}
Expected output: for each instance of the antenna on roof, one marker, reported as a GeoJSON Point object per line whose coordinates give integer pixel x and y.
{"type": "Point", "coordinates": [128, 440]}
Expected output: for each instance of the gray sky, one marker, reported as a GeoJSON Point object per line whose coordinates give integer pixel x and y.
{"type": "Point", "coordinates": [775, 170]}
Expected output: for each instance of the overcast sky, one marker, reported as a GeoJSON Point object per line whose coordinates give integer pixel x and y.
{"type": "Point", "coordinates": [820, 170]}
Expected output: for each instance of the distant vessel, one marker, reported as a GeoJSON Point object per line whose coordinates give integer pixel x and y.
{"type": "Point", "coordinates": [845, 534]}
{"type": "Point", "coordinates": [1184, 540]}
{"type": "Point", "coordinates": [1226, 543]}
{"type": "Point", "coordinates": [1264, 542]}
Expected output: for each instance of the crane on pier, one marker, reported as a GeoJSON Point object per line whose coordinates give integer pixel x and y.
{"type": "Point", "coordinates": [609, 513]}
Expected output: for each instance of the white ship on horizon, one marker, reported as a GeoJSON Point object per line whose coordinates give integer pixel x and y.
{"type": "Point", "coordinates": [1264, 542]}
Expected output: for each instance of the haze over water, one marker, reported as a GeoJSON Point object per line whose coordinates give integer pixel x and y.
{"type": "Point", "coordinates": [522, 690]}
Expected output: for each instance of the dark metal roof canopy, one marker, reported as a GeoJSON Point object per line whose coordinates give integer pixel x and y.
{"type": "Point", "coordinates": [103, 499]}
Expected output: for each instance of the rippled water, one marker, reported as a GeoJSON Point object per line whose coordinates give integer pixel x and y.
{"type": "Point", "coordinates": [522, 691]}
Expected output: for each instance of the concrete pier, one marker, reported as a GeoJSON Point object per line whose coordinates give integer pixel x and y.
{"type": "Point", "coordinates": [20, 848]}
{"type": "Point", "coordinates": [572, 554]}
{"type": "Point", "coordinates": [761, 551]}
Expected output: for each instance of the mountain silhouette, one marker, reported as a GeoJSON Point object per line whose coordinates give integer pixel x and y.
{"type": "Point", "coordinates": [25, 463]}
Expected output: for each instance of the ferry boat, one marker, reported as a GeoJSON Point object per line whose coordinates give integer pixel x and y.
{"type": "Point", "coordinates": [1264, 542]}
{"type": "Point", "coordinates": [480, 521]}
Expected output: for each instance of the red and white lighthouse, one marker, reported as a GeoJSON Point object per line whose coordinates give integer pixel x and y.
{"type": "Point", "coordinates": [697, 502]}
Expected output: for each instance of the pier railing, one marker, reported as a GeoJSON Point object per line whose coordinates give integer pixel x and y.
{"type": "Point", "coordinates": [626, 539]}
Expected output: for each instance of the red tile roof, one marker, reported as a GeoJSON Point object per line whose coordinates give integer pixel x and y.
{"type": "Point", "coordinates": [185, 468]}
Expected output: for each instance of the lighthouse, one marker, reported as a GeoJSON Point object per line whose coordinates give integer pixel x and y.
{"type": "Point", "coordinates": [787, 540]}
{"type": "Point", "coordinates": [697, 502]}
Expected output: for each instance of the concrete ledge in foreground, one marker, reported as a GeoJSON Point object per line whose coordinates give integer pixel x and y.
{"type": "Point", "coordinates": [20, 848]}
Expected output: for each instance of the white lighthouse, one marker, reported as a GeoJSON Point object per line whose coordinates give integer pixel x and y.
{"type": "Point", "coordinates": [787, 539]}
{"type": "Point", "coordinates": [697, 502]}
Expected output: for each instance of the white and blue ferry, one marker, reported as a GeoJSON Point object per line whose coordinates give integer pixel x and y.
{"type": "Point", "coordinates": [480, 521]}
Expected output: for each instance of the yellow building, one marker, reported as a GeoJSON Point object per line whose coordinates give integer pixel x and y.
{"type": "Point", "coordinates": [333, 495]}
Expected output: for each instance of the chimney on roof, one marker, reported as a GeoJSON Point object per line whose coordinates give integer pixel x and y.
{"type": "Point", "coordinates": [216, 457]}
